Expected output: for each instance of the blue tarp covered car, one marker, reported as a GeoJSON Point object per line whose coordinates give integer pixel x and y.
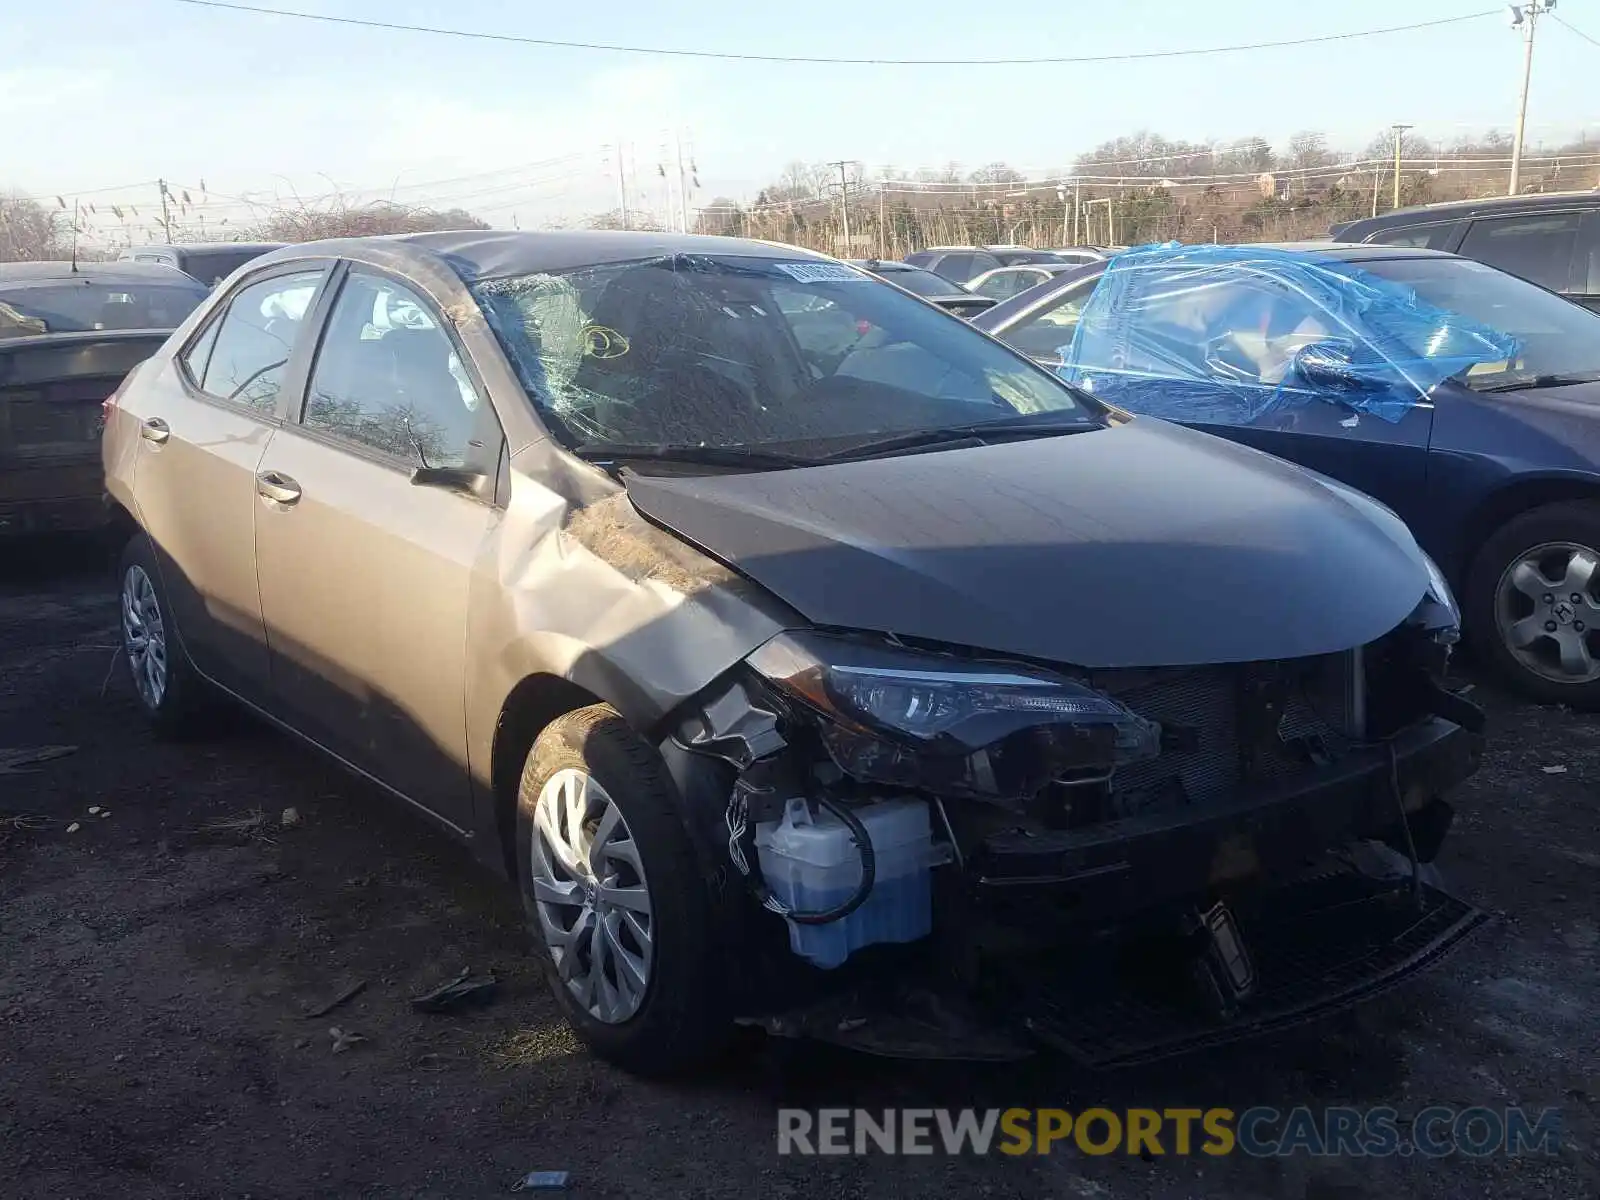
{"type": "Point", "coordinates": [1464, 398]}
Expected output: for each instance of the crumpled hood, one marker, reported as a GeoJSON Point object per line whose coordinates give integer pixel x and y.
{"type": "Point", "coordinates": [1143, 544]}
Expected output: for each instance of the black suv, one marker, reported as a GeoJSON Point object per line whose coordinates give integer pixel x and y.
{"type": "Point", "coordinates": [1551, 239]}
{"type": "Point", "coordinates": [958, 264]}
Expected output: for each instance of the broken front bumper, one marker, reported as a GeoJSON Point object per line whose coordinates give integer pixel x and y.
{"type": "Point", "coordinates": [1118, 868]}
{"type": "Point", "coordinates": [1119, 985]}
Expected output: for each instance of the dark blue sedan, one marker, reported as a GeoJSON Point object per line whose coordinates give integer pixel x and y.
{"type": "Point", "coordinates": [1464, 398]}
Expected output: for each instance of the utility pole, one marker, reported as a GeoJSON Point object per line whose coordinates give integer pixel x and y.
{"type": "Point", "coordinates": [1524, 17]}
{"type": "Point", "coordinates": [1399, 132]}
{"type": "Point", "coordinates": [166, 219]}
{"type": "Point", "coordinates": [683, 189]}
{"type": "Point", "coordinates": [883, 225]}
{"type": "Point", "coordinates": [622, 188]}
{"type": "Point", "coordinates": [1077, 207]}
{"type": "Point", "coordinates": [844, 196]}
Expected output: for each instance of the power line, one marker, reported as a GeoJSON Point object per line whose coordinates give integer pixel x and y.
{"type": "Point", "coordinates": [1569, 25]}
{"type": "Point", "coordinates": [615, 48]}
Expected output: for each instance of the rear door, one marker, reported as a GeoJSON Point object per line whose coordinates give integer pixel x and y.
{"type": "Point", "coordinates": [205, 419]}
{"type": "Point", "coordinates": [365, 566]}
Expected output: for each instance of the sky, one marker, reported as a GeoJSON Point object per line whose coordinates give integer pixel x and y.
{"type": "Point", "coordinates": [102, 97]}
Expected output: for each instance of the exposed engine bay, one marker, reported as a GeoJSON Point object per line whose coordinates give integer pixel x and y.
{"type": "Point", "coordinates": [972, 857]}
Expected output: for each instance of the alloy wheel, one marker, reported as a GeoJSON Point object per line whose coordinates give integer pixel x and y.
{"type": "Point", "coordinates": [1547, 613]}
{"type": "Point", "coordinates": [144, 636]}
{"type": "Point", "coordinates": [592, 898]}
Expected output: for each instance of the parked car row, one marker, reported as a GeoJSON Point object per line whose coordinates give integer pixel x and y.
{"type": "Point", "coordinates": [69, 333]}
{"type": "Point", "coordinates": [803, 654]}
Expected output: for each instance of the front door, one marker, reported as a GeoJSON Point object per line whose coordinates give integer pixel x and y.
{"type": "Point", "coordinates": [366, 573]}
{"type": "Point", "coordinates": [1216, 351]}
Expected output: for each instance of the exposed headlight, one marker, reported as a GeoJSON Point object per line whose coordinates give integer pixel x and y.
{"type": "Point", "coordinates": [902, 717]}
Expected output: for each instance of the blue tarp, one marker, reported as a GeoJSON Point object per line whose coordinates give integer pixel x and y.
{"type": "Point", "coordinates": [1228, 334]}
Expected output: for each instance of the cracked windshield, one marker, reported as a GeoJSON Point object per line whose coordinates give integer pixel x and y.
{"type": "Point", "coordinates": [746, 352]}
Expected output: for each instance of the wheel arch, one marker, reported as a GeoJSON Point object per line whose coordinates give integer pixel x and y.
{"type": "Point", "coordinates": [1519, 496]}
{"type": "Point", "coordinates": [534, 702]}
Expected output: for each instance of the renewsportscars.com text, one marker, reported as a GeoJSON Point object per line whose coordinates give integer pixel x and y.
{"type": "Point", "coordinates": [1258, 1132]}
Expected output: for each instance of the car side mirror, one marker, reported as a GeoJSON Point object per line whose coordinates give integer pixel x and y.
{"type": "Point", "coordinates": [1332, 365]}
{"type": "Point", "coordinates": [452, 479]}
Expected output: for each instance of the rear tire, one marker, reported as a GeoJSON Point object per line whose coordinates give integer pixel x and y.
{"type": "Point", "coordinates": [1520, 613]}
{"type": "Point", "coordinates": [169, 691]}
{"type": "Point", "coordinates": [606, 869]}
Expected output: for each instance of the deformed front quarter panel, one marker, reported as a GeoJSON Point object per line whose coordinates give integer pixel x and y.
{"type": "Point", "coordinates": [575, 584]}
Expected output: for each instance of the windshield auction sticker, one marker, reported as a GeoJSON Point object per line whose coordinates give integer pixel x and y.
{"type": "Point", "coordinates": [805, 272]}
{"type": "Point", "coordinates": [1434, 1132]}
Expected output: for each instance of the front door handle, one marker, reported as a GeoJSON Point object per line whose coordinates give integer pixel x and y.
{"type": "Point", "coordinates": [274, 485]}
{"type": "Point", "coordinates": [155, 430]}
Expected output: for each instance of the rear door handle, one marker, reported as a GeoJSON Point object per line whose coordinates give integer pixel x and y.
{"type": "Point", "coordinates": [155, 430]}
{"type": "Point", "coordinates": [273, 485]}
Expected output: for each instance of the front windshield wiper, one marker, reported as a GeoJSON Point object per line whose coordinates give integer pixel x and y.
{"type": "Point", "coordinates": [1042, 424]}
{"type": "Point", "coordinates": [1528, 382]}
{"type": "Point", "coordinates": [603, 453]}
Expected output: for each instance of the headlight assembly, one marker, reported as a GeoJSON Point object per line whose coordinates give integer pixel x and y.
{"type": "Point", "coordinates": [903, 717]}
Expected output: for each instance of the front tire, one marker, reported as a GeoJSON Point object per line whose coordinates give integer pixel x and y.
{"type": "Point", "coordinates": [168, 690]}
{"type": "Point", "coordinates": [1533, 604]}
{"type": "Point", "coordinates": [615, 899]}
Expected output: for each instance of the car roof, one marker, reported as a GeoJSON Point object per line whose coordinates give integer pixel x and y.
{"type": "Point", "coordinates": [476, 254]}
{"type": "Point", "coordinates": [1053, 267]}
{"type": "Point", "coordinates": [1442, 210]}
{"type": "Point", "coordinates": [92, 272]}
{"type": "Point", "coordinates": [205, 247]}
{"type": "Point", "coordinates": [1356, 251]}
{"type": "Point", "coordinates": [886, 264]}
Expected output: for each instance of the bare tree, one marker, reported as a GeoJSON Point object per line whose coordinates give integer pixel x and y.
{"type": "Point", "coordinates": [637, 219]}
{"type": "Point", "coordinates": [308, 223]}
{"type": "Point", "coordinates": [997, 172]}
{"type": "Point", "coordinates": [1307, 149]}
{"type": "Point", "coordinates": [32, 232]}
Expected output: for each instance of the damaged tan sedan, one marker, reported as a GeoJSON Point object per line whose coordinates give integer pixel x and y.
{"type": "Point", "coordinates": [807, 658]}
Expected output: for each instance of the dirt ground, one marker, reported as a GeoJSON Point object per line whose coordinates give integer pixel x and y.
{"type": "Point", "coordinates": [157, 963]}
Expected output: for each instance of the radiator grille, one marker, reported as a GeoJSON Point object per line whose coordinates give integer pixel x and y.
{"type": "Point", "coordinates": [1207, 707]}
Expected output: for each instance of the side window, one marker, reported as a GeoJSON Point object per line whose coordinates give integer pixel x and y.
{"type": "Point", "coordinates": [249, 352]}
{"type": "Point", "coordinates": [1587, 279]}
{"type": "Point", "coordinates": [1044, 335]}
{"type": "Point", "coordinates": [1539, 248]}
{"type": "Point", "coordinates": [1004, 284]}
{"type": "Point", "coordinates": [1433, 236]}
{"type": "Point", "coordinates": [957, 267]}
{"type": "Point", "coordinates": [388, 378]}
